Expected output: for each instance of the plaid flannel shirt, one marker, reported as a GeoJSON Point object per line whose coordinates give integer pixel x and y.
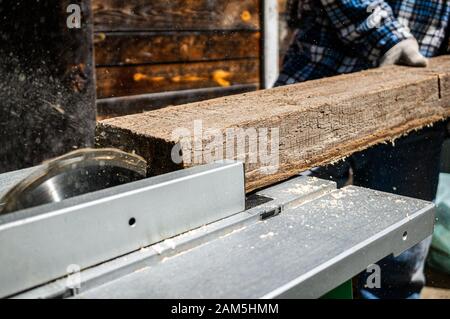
{"type": "Point", "coordinates": [342, 36]}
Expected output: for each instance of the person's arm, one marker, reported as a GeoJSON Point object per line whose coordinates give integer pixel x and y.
{"type": "Point", "coordinates": [373, 30]}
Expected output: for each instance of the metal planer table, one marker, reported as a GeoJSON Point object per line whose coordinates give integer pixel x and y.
{"type": "Point", "coordinates": [193, 234]}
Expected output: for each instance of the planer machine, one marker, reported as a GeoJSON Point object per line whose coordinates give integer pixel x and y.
{"type": "Point", "coordinates": [92, 225]}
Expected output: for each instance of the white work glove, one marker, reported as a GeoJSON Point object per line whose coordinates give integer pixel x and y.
{"type": "Point", "coordinates": [405, 52]}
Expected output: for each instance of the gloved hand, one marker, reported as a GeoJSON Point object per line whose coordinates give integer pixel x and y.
{"type": "Point", "coordinates": [405, 52]}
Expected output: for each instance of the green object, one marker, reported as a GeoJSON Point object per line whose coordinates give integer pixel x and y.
{"type": "Point", "coordinates": [344, 291]}
{"type": "Point", "coordinates": [439, 256]}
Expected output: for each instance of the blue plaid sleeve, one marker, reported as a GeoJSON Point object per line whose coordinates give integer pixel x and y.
{"type": "Point", "coordinates": [370, 27]}
{"type": "Point", "coordinates": [341, 36]}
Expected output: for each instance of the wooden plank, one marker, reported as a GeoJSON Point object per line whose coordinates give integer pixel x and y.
{"type": "Point", "coordinates": [122, 81]}
{"type": "Point", "coordinates": [120, 106]}
{"type": "Point", "coordinates": [318, 122]}
{"type": "Point", "coordinates": [47, 89]}
{"type": "Point", "coordinates": [172, 47]}
{"type": "Point", "coordinates": [119, 15]}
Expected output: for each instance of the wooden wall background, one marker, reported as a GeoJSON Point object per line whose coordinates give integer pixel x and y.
{"type": "Point", "coordinates": [285, 34]}
{"type": "Point", "coordinates": [152, 53]}
{"type": "Point", "coordinates": [47, 94]}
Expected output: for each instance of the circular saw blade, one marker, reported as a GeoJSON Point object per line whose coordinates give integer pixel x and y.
{"type": "Point", "coordinates": [77, 173]}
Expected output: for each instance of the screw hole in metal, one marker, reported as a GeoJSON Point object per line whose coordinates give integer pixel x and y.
{"type": "Point", "coordinates": [405, 235]}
